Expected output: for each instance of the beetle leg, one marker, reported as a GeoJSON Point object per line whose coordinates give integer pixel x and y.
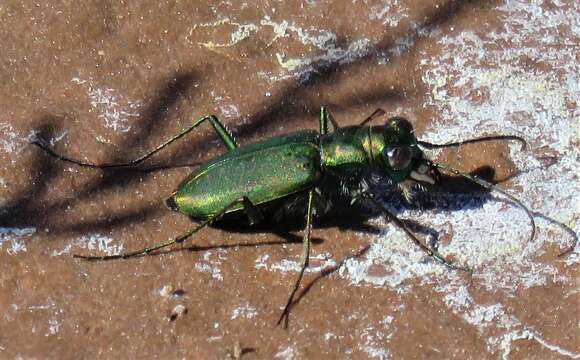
{"type": "Point", "coordinates": [177, 240]}
{"type": "Point", "coordinates": [254, 214]}
{"type": "Point", "coordinates": [401, 225]}
{"type": "Point", "coordinates": [325, 117]}
{"type": "Point", "coordinates": [304, 259]}
{"type": "Point", "coordinates": [378, 112]}
{"type": "Point", "coordinates": [221, 130]}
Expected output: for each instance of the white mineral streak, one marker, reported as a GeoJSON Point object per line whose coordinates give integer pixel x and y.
{"type": "Point", "coordinates": [95, 244]}
{"type": "Point", "coordinates": [15, 237]}
{"type": "Point", "coordinates": [112, 109]}
{"type": "Point", "coordinates": [323, 42]}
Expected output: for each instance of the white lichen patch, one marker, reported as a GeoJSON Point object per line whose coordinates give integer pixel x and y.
{"type": "Point", "coordinates": [288, 353]}
{"type": "Point", "coordinates": [15, 238]}
{"type": "Point", "coordinates": [96, 244]}
{"type": "Point", "coordinates": [13, 142]}
{"type": "Point", "coordinates": [241, 32]}
{"type": "Point", "coordinates": [318, 262]}
{"type": "Point", "coordinates": [113, 109]}
{"type": "Point", "coordinates": [372, 339]}
{"type": "Point", "coordinates": [389, 12]}
{"type": "Point", "coordinates": [323, 41]}
{"type": "Point", "coordinates": [211, 263]}
{"type": "Point", "coordinates": [322, 44]}
{"type": "Point", "coordinates": [244, 310]}
{"type": "Point", "coordinates": [225, 104]}
{"type": "Point", "coordinates": [528, 334]}
{"type": "Point", "coordinates": [10, 140]}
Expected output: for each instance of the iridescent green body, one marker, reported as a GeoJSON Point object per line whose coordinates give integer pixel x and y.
{"type": "Point", "coordinates": [281, 166]}
{"type": "Point", "coordinates": [263, 171]}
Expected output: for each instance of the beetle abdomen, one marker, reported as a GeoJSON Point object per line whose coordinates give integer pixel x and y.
{"type": "Point", "coordinates": [263, 172]}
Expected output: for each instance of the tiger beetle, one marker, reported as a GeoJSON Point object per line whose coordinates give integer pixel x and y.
{"type": "Point", "coordinates": [302, 169]}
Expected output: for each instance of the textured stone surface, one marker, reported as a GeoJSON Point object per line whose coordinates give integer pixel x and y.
{"type": "Point", "coordinates": [105, 81]}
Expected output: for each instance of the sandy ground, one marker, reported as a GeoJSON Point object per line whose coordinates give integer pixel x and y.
{"type": "Point", "coordinates": [105, 81]}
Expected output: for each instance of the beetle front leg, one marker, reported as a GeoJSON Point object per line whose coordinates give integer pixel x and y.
{"type": "Point", "coordinates": [378, 112]}
{"type": "Point", "coordinates": [304, 259]}
{"type": "Point", "coordinates": [401, 225]}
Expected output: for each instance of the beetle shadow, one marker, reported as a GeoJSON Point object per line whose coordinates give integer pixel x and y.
{"type": "Point", "coordinates": [289, 105]}
{"type": "Point", "coordinates": [355, 217]}
{"type": "Point", "coordinates": [27, 207]}
{"type": "Point", "coordinates": [17, 211]}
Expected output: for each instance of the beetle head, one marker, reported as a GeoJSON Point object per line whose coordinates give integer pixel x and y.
{"type": "Point", "coordinates": [402, 157]}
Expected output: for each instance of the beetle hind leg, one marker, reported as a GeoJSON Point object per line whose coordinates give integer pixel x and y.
{"type": "Point", "coordinates": [224, 134]}
{"type": "Point", "coordinates": [325, 117]}
{"type": "Point", "coordinates": [177, 240]}
{"type": "Point", "coordinates": [304, 260]}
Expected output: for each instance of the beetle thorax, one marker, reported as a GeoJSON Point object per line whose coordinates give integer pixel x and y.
{"type": "Point", "coordinates": [350, 149]}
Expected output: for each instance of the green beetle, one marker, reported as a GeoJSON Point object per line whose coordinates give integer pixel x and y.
{"type": "Point", "coordinates": [302, 169]}
{"type": "Point", "coordinates": [282, 166]}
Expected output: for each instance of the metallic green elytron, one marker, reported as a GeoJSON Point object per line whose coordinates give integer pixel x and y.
{"type": "Point", "coordinates": [300, 171]}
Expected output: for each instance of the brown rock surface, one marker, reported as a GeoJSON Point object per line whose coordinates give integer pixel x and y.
{"type": "Point", "coordinates": [105, 81]}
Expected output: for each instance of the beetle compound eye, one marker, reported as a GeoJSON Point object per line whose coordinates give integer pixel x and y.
{"type": "Point", "coordinates": [399, 157]}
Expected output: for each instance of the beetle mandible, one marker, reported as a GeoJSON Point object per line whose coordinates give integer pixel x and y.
{"type": "Point", "coordinates": [297, 168]}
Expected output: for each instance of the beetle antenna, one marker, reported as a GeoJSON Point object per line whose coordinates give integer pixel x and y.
{"type": "Point", "coordinates": [521, 140]}
{"type": "Point", "coordinates": [491, 187]}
